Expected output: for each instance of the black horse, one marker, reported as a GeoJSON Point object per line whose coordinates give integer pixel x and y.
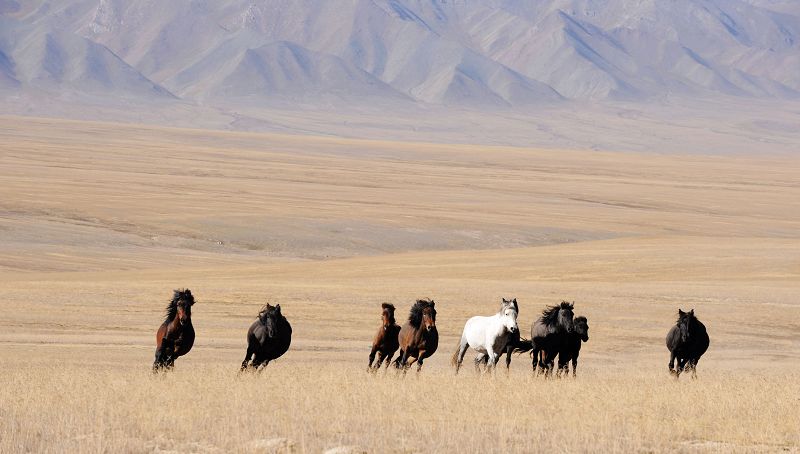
{"type": "Point", "coordinates": [572, 346]}
{"type": "Point", "coordinates": [549, 333]}
{"type": "Point", "coordinates": [268, 338]}
{"type": "Point", "coordinates": [686, 341]}
{"type": "Point", "coordinates": [175, 336]}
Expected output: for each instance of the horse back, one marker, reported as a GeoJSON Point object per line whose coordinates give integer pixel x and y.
{"type": "Point", "coordinates": [540, 330]}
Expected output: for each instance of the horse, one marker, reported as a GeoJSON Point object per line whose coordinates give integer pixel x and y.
{"type": "Point", "coordinates": [268, 338]}
{"type": "Point", "coordinates": [686, 341]}
{"type": "Point", "coordinates": [548, 334]}
{"type": "Point", "coordinates": [488, 335]}
{"type": "Point", "coordinates": [516, 344]}
{"type": "Point", "coordinates": [572, 346]}
{"type": "Point", "coordinates": [175, 336]}
{"type": "Point", "coordinates": [385, 343]}
{"type": "Point", "coordinates": [418, 337]}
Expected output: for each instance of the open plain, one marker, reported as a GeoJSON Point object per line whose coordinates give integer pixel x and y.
{"type": "Point", "coordinates": [99, 222]}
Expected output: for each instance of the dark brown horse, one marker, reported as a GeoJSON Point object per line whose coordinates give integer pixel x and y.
{"type": "Point", "coordinates": [418, 338]}
{"type": "Point", "coordinates": [571, 348]}
{"type": "Point", "coordinates": [385, 342]}
{"type": "Point", "coordinates": [687, 340]}
{"type": "Point", "coordinates": [549, 333]}
{"type": "Point", "coordinates": [268, 338]}
{"type": "Point", "coordinates": [175, 336]}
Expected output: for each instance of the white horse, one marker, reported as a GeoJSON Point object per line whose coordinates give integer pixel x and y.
{"type": "Point", "coordinates": [488, 335]}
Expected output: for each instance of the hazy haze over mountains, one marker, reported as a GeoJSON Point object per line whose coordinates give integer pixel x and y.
{"type": "Point", "coordinates": [236, 60]}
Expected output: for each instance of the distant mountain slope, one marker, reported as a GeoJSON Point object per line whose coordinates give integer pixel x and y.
{"type": "Point", "coordinates": [457, 53]}
{"type": "Point", "coordinates": [38, 57]}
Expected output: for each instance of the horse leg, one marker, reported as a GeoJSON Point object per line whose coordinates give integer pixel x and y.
{"type": "Point", "coordinates": [157, 363]}
{"type": "Point", "coordinates": [388, 361]}
{"type": "Point", "coordinates": [543, 363]}
{"type": "Point", "coordinates": [681, 366]}
{"type": "Point", "coordinates": [693, 366]}
{"type": "Point", "coordinates": [419, 361]}
{"type": "Point", "coordinates": [247, 357]}
{"type": "Point", "coordinates": [535, 359]}
{"type": "Point", "coordinates": [671, 365]}
{"type": "Point", "coordinates": [563, 366]}
{"type": "Point", "coordinates": [509, 349]}
{"type": "Point", "coordinates": [480, 359]}
{"type": "Point", "coordinates": [160, 361]}
{"type": "Point", "coordinates": [399, 361]}
{"type": "Point", "coordinates": [372, 358]}
{"type": "Point", "coordinates": [574, 366]}
{"type": "Point", "coordinates": [402, 361]}
{"type": "Point", "coordinates": [491, 364]}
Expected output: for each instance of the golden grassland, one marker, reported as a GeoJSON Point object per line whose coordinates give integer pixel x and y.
{"type": "Point", "coordinates": [99, 222]}
{"type": "Point", "coordinates": [321, 406]}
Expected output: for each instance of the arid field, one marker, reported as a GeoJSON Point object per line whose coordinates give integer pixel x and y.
{"type": "Point", "coordinates": [99, 222]}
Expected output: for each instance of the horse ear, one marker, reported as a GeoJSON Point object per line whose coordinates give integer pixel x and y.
{"type": "Point", "coordinates": [278, 308]}
{"type": "Point", "coordinates": [681, 313]}
{"type": "Point", "coordinates": [691, 312]}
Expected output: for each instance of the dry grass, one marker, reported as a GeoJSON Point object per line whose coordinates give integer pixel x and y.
{"type": "Point", "coordinates": [99, 222]}
{"type": "Point", "coordinates": [212, 409]}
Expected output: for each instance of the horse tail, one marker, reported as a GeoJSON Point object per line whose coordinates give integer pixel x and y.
{"type": "Point", "coordinates": [454, 358]}
{"type": "Point", "coordinates": [523, 346]}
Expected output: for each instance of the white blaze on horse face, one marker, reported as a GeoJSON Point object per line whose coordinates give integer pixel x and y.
{"type": "Point", "coordinates": [510, 320]}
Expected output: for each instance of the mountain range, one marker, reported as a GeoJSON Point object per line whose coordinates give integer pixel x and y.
{"type": "Point", "coordinates": [483, 55]}
{"type": "Point", "coordinates": [451, 52]}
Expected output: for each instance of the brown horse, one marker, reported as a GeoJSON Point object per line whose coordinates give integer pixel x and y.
{"type": "Point", "coordinates": [175, 336]}
{"type": "Point", "coordinates": [418, 338]}
{"type": "Point", "coordinates": [385, 342]}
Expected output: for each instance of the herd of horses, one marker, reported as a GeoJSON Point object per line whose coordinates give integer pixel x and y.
{"type": "Point", "coordinates": [557, 333]}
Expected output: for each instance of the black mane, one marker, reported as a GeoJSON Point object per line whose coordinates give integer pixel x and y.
{"type": "Point", "coordinates": [415, 314]}
{"type": "Point", "coordinates": [172, 307]}
{"type": "Point", "coordinates": [268, 310]}
{"type": "Point", "coordinates": [688, 317]}
{"type": "Point", "coordinates": [550, 315]}
{"type": "Point", "coordinates": [390, 308]}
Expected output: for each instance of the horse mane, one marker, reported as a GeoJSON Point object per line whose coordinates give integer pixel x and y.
{"type": "Point", "coordinates": [388, 306]}
{"type": "Point", "coordinates": [580, 319]}
{"type": "Point", "coordinates": [268, 308]}
{"type": "Point", "coordinates": [688, 314]}
{"type": "Point", "coordinates": [415, 314]}
{"type": "Point", "coordinates": [172, 308]}
{"type": "Point", "coordinates": [550, 314]}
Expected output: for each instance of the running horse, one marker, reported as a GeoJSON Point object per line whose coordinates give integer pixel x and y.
{"type": "Point", "coordinates": [418, 337]}
{"type": "Point", "coordinates": [385, 343]}
{"type": "Point", "coordinates": [175, 336]}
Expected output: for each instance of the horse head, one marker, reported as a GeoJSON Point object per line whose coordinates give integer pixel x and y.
{"type": "Point", "coordinates": [684, 322]}
{"type": "Point", "coordinates": [565, 317]}
{"type": "Point", "coordinates": [429, 317]}
{"type": "Point", "coordinates": [387, 317]}
{"type": "Point", "coordinates": [270, 316]}
{"type": "Point", "coordinates": [182, 300]}
{"type": "Point", "coordinates": [582, 328]}
{"type": "Point", "coordinates": [509, 310]}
